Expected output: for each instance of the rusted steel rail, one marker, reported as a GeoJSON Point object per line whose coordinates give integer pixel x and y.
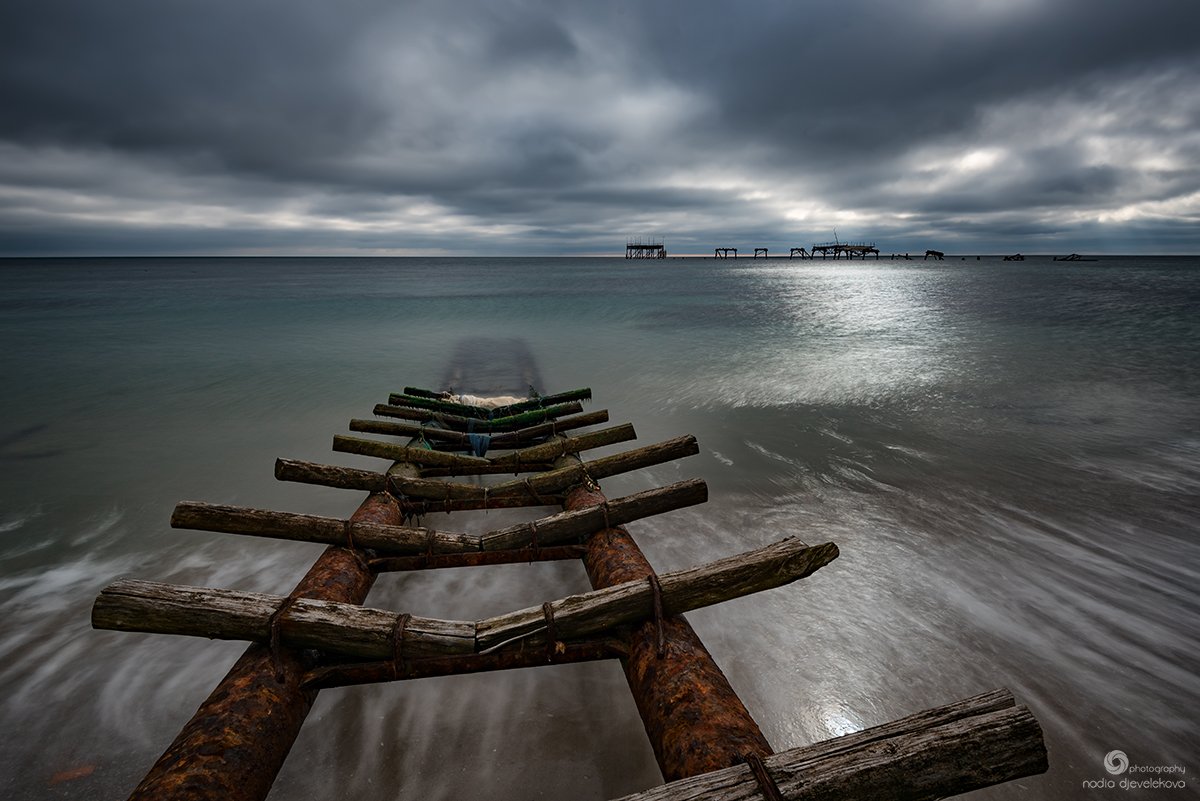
{"type": "Point", "coordinates": [235, 744]}
{"type": "Point", "coordinates": [695, 721]}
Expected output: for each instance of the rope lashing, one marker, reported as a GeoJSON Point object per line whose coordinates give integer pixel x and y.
{"type": "Point", "coordinates": [398, 644]}
{"type": "Point", "coordinates": [553, 643]}
{"type": "Point", "coordinates": [408, 510]}
{"type": "Point", "coordinates": [656, 594]}
{"type": "Point", "coordinates": [766, 784]}
{"type": "Point", "coordinates": [588, 481]}
{"type": "Point", "coordinates": [353, 548]}
{"type": "Point", "coordinates": [534, 493]}
{"type": "Point", "coordinates": [534, 548]}
{"type": "Point", "coordinates": [274, 637]}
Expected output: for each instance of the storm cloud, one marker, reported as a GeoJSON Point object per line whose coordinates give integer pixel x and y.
{"type": "Point", "coordinates": [146, 126]}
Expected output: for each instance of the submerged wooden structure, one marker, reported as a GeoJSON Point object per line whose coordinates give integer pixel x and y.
{"type": "Point", "coordinates": [320, 635]}
{"type": "Point", "coordinates": [848, 249]}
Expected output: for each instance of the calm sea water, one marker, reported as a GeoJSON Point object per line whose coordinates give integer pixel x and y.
{"type": "Point", "coordinates": [1008, 456]}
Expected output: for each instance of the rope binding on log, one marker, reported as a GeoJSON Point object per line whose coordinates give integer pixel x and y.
{"type": "Point", "coordinates": [398, 644]}
{"type": "Point", "coordinates": [534, 548]}
{"type": "Point", "coordinates": [656, 592]}
{"type": "Point", "coordinates": [273, 641]}
{"type": "Point", "coordinates": [533, 493]}
{"type": "Point", "coordinates": [554, 645]}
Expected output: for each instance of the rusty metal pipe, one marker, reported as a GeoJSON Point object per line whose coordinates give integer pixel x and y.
{"type": "Point", "coordinates": [235, 744]}
{"type": "Point", "coordinates": [695, 721]}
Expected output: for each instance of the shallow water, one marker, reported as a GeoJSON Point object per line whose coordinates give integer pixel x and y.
{"type": "Point", "coordinates": [1008, 456]}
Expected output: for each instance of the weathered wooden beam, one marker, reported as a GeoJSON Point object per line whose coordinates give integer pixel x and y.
{"type": "Point", "coordinates": [554, 480]}
{"type": "Point", "coordinates": [460, 439]}
{"type": "Point", "coordinates": [940, 752]}
{"type": "Point", "coordinates": [393, 428]}
{"type": "Point", "coordinates": [436, 402]}
{"type": "Point", "coordinates": [347, 629]}
{"type": "Point", "coordinates": [510, 439]}
{"type": "Point", "coordinates": [328, 475]}
{"type": "Point", "coordinates": [351, 630]}
{"type": "Point", "coordinates": [496, 424]}
{"type": "Point", "coordinates": [521, 655]}
{"type": "Point", "coordinates": [556, 529]}
{"type": "Point", "coordinates": [682, 590]}
{"type": "Point", "coordinates": [406, 453]}
{"type": "Point", "coordinates": [575, 525]}
{"type": "Point", "coordinates": [327, 530]}
{"type": "Point", "coordinates": [416, 507]}
{"type": "Point", "coordinates": [562, 445]}
{"type": "Point", "coordinates": [522, 460]}
{"type": "Point", "coordinates": [488, 470]}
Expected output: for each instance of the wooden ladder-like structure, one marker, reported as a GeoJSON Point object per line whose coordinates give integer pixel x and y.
{"type": "Point", "coordinates": [321, 636]}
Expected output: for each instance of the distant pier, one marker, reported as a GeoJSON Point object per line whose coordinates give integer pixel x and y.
{"type": "Point", "coordinates": [849, 249]}
{"type": "Point", "coordinates": [650, 249]}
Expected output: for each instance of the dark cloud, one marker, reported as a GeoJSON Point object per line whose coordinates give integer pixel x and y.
{"type": "Point", "coordinates": [508, 126]}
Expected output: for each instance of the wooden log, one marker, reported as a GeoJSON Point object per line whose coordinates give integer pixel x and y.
{"type": "Point", "coordinates": [561, 446]}
{"type": "Point", "coordinates": [496, 424]}
{"type": "Point", "coordinates": [437, 402]}
{"type": "Point", "coordinates": [415, 507]}
{"type": "Point", "coordinates": [523, 435]}
{"type": "Point", "coordinates": [488, 470]}
{"type": "Point", "coordinates": [392, 428]}
{"type": "Point", "coordinates": [131, 605]}
{"type": "Point", "coordinates": [405, 453]}
{"type": "Point", "coordinates": [682, 590]}
{"type": "Point", "coordinates": [576, 525]}
{"type": "Point", "coordinates": [458, 439]}
{"type": "Point", "coordinates": [327, 475]}
{"type": "Point", "coordinates": [522, 656]}
{"type": "Point", "coordinates": [554, 480]}
{"type": "Point", "coordinates": [557, 529]}
{"type": "Point", "coordinates": [937, 753]}
{"type": "Point", "coordinates": [328, 530]}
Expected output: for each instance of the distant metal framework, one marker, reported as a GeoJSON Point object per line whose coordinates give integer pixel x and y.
{"type": "Point", "coordinates": [723, 253]}
{"type": "Point", "coordinates": [849, 249]}
{"type": "Point", "coordinates": [763, 251]}
{"type": "Point", "coordinates": [645, 249]}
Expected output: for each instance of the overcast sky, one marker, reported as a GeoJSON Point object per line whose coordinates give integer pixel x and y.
{"type": "Point", "coordinates": [359, 127]}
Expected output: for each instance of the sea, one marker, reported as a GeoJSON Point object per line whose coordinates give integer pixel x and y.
{"type": "Point", "coordinates": [1007, 455]}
